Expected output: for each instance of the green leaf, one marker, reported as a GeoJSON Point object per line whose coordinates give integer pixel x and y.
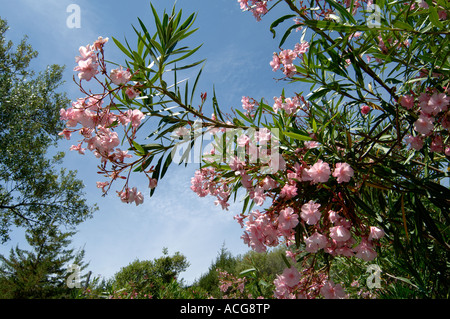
{"type": "Point", "coordinates": [278, 21]}
{"type": "Point", "coordinates": [297, 136]}
{"type": "Point", "coordinates": [287, 33]}
{"type": "Point", "coordinates": [402, 25]}
{"type": "Point", "coordinates": [342, 11]}
{"type": "Point", "coordinates": [140, 150]}
{"type": "Point", "coordinates": [247, 271]}
{"type": "Point", "coordinates": [123, 49]}
{"type": "Point", "coordinates": [286, 261]}
{"type": "Point", "coordinates": [434, 17]}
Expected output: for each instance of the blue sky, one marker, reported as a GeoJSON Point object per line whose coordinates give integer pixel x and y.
{"type": "Point", "coordinates": [238, 50]}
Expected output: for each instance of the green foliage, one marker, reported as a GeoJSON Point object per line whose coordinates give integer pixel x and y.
{"type": "Point", "coordinates": [150, 278]}
{"type": "Point", "coordinates": [33, 192]}
{"type": "Point", "coordinates": [42, 272]}
{"type": "Point", "coordinates": [210, 280]}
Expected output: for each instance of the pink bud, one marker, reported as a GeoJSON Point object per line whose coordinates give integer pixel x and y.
{"type": "Point", "coordinates": [365, 109]}
{"type": "Point", "coordinates": [375, 233]}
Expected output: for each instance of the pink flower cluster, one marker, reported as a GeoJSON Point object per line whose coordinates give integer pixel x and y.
{"type": "Point", "coordinates": [432, 121]}
{"type": "Point", "coordinates": [203, 184]}
{"type": "Point", "coordinates": [293, 284]}
{"type": "Point", "coordinates": [248, 104]}
{"type": "Point", "coordinates": [98, 121]}
{"type": "Point", "coordinates": [285, 59]}
{"type": "Point", "coordinates": [232, 286]}
{"type": "Point", "coordinates": [257, 7]}
{"type": "Point", "coordinates": [289, 105]}
{"type": "Point", "coordinates": [131, 195]}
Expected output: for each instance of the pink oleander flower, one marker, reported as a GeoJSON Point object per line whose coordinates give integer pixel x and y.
{"type": "Point", "coordinates": [243, 140]}
{"type": "Point", "coordinates": [291, 276]}
{"type": "Point", "coordinates": [99, 43]}
{"type": "Point", "coordinates": [340, 233]}
{"type": "Point", "coordinates": [343, 172]}
{"type": "Point", "coordinates": [332, 291]}
{"type": "Point", "coordinates": [287, 56]}
{"type": "Point", "coordinates": [333, 216]}
{"type": "Point", "coordinates": [424, 124]}
{"type": "Point", "coordinates": [131, 195]}
{"type": "Point", "coordinates": [247, 105]}
{"type": "Point", "coordinates": [365, 250]}
{"type": "Point", "coordinates": [181, 131]}
{"type": "Point", "coordinates": [120, 155]}
{"type": "Point", "coordinates": [263, 136]}
{"type": "Point", "coordinates": [136, 117]}
{"type": "Point", "coordinates": [310, 212]}
{"type": "Point", "coordinates": [301, 48]}
{"type": "Point", "coordinates": [243, 4]}
{"type": "Point", "coordinates": [236, 164]}
{"type": "Point", "coordinates": [120, 76]}
{"type": "Point", "coordinates": [102, 185]}
{"type": "Point", "coordinates": [311, 144]}
{"type": "Point", "coordinates": [437, 103]}
{"type": "Point", "coordinates": [437, 144]}
{"type": "Point", "coordinates": [104, 142]}
{"type": "Point", "coordinates": [319, 172]}
{"type": "Point", "coordinates": [287, 220]}
{"type": "Point", "coordinates": [376, 233]}
{"type": "Point", "coordinates": [65, 132]}
{"type": "Point", "coordinates": [257, 195]}
{"type": "Point", "coordinates": [289, 70]}
{"type": "Point", "coordinates": [278, 104]}
{"type": "Point", "coordinates": [132, 93]}
{"type": "Point", "coordinates": [288, 191]}
{"type": "Point", "coordinates": [365, 109]}
{"type": "Point", "coordinates": [315, 242]}
{"type": "Point", "coordinates": [282, 290]}
{"type": "Point", "coordinates": [290, 105]}
{"type": "Point", "coordinates": [407, 101]}
{"type": "Point", "coordinates": [269, 183]}
{"type": "Point", "coordinates": [87, 69]}
{"type": "Point", "coordinates": [275, 63]}
{"type": "Point", "coordinates": [78, 148]}
{"type": "Point", "coordinates": [86, 53]}
{"type": "Point", "coordinates": [259, 9]}
{"type": "Point", "coordinates": [414, 142]}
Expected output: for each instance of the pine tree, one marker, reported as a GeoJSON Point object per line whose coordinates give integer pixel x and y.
{"type": "Point", "coordinates": [43, 271]}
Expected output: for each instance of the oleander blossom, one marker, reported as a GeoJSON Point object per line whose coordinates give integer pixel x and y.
{"type": "Point", "coordinates": [131, 195]}
{"type": "Point", "coordinates": [365, 250]}
{"type": "Point", "coordinates": [287, 220]}
{"type": "Point", "coordinates": [343, 172]}
{"type": "Point", "coordinates": [319, 172]}
{"type": "Point", "coordinates": [331, 291]}
{"type": "Point", "coordinates": [120, 76]}
{"type": "Point", "coordinates": [310, 212]}
{"type": "Point", "coordinates": [88, 65]}
{"type": "Point", "coordinates": [340, 233]}
{"type": "Point", "coordinates": [424, 124]}
{"type": "Point", "coordinates": [315, 242]}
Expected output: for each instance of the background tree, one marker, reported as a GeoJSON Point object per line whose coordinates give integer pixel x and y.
{"type": "Point", "coordinates": [43, 271]}
{"type": "Point", "coordinates": [148, 278]}
{"type": "Point", "coordinates": [33, 192]}
{"type": "Point", "coordinates": [209, 281]}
